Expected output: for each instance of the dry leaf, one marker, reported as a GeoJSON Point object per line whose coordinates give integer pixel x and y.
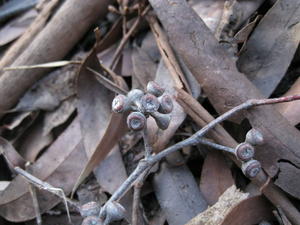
{"type": "Point", "coordinates": [215, 177]}
{"type": "Point", "coordinates": [178, 194]}
{"type": "Point", "coordinates": [100, 127]}
{"type": "Point", "coordinates": [15, 28]}
{"type": "Point", "coordinates": [272, 46]}
{"type": "Point", "coordinates": [59, 166]}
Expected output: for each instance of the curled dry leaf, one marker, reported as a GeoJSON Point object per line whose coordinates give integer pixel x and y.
{"type": "Point", "coordinates": [59, 166]}
{"type": "Point", "coordinates": [215, 178]}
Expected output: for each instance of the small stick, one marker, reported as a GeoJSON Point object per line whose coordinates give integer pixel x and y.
{"type": "Point", "coordinates": [145, 164]}
{"type": "Point", "coordinates": [148, 147]}
{"type": "Point", "coordinates": [36, 206]}
{"type": "Point", "coordinates": [126, 38]}
{"type": "Point", "coordinates": [107, 83]}
{"type": "Point", "coordinates": [48, 187]}
{"type": "Point", "coordinates": [136, 211]}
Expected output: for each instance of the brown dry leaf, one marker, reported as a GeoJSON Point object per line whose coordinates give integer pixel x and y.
{"type": "Point", "coordinates": [49, 92]}
{"type": "Point", "coordinates": [272, 46]}
{"type": "Point", "coordinates": [59, 116]}
{"type": "Point", "coordinates": [59, 166]}
{"type": "Point", "coordinates": [32, 142]}
{"type": "Point", "coordinates": [215, 178]}
{"type": "Point", "coordinates": [100, 128]}
{"type": "Point", "coordinates": [291, 110]}
{"type": "Point", "coordinates": [13, 158]}
{"type": "Point", "coordinates": [15, 28]}
{"type": "Point", "coordinates": [178, 194]}
{"type": "Point", "coordinates": [215, 214]}
{"type": "Point", "coordinates": [144, 68]}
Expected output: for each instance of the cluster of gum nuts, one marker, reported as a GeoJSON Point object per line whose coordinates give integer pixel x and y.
{"type": "Point", "coordinates": [246, 150]}
{"type": "Point", "coordinates": [153, 103]}
{"type": "Point", "coordinates": [112, 212]}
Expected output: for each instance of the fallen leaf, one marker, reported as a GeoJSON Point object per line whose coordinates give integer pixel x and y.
{"type": "Point", "coordinates": [271, 47]}
{"type": "Point", "coordinates": [15, 28]}
{"type": "Point", "coordinates": [215, 177]}
{"type": "Point", "coordinates": [59, 166]}
{"type": "Point", "coordinates": [178, 194]}
{"type": "Point", "coordinates": [100, 128]}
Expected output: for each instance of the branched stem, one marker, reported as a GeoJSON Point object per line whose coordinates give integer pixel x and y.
{"type": "Point", "coordinates": [197, 138]}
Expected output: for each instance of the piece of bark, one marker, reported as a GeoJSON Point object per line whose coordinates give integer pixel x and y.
{"type": "Point", "coordinates": [178, 194]}
{"type": "Point", "coordinates": [249, 211]}
{"type": "Point", "coordinates": [291, 110]}
{"type": "Point", "coordinates": [269, 52]}
{"type": "Point", "coordinates": [215, 214]}
{"type": "Point", "coordinates": [36, 26]}
{"type": "Point", "coordinates": [64, 30]}
{"type": "Point", "coordinates": [215, 178]}
{"type": "Point", "coordinates": [225, 86]}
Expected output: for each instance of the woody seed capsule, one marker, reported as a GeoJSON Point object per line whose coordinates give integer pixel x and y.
{"type": "Point", "coordinates": [149, 103]}
{"type": "Point", "coordinates": [254, 137]}
{"type": "Point", "coordinates": [251, 168]}
{"type": "Point", "coordinates": [155, 89]}
{"type": "Point", "coordinates": [90, 209]}
{"type": "Point", "coordinates": [91, 220]}
{"type": "Point", "coordinates": [136, 121]}
{"type": "Point", "coordinates": [119, 104]}
{"type": "Point", "coordinates": [162, 120]}
{"type": "Point", "coordinates": [166, 104]}
{"type": "Point", "coordinates": [244, 151]}
{"type": "Point", "coordinates": [112, 211]}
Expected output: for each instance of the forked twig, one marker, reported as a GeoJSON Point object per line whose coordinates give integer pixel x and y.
{"type": "Point", "coordinates": [48, 187]}
{"type": "Point", "coordinates": [147, 163]}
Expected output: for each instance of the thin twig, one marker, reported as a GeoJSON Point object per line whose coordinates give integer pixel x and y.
{"type": "Point", "coordinates": [136, 210]}
{"type": "Point", "coordinates": [107, 83]}
{"type": "Point", "coordinates": [145, 164]}
{"type": "Point", "coordinates": [48, 187]}
{"type": "Point", "coordinates": [148, 147]}
{"type": "Point", "coordinates": [126, 38]}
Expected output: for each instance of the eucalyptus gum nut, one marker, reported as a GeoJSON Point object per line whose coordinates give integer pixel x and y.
{"type": "Point", "coordinates": [136, 121]}
{"type": "Point", "coordinates": [162, 120]}
{"type": "Point", "coordinates": [166, 104]}
{"type": "Point", "coordinates": [134, 99]}
{"type": "Point", "coordinates": [91, 220]}
{"type": "Point", "coordinates": [155, 89]}
{"type": "Point", "coordinates": [90, 209]}
{"type": "Point", "coordinates": [254, 137]}
{"type": "Point", "coordinates": [251, 168]}
{"type": "Point", "coordinates": [112, 211]}
{"type": "Point", "coordinates": [149, 103]}
{"type": "Point", "coordinates": [244, 151]}
{"type": "Point", "coordinates": [120, 104]}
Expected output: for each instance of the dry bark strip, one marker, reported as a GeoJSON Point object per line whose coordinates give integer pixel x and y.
{"type": "Point", "coordinates": [65, 29]}
{"type": "Point", "coordinates": [226, 87]}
